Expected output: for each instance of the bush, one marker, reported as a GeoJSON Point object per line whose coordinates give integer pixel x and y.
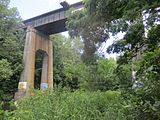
{"type": "Point", "coordinates": [79, 105]}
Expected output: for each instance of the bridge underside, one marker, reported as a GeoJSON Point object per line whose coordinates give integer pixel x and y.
{"type": "Point", "coordinates": [52, 28]}
{"type": "Point", "coordinates": [52, 22]}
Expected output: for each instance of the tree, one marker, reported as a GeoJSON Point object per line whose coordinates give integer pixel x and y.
{"type": "Point", "coordinates": [68, 67]}
{"type": "Point", "coordinates": [10, 50]}
{"type": "Point", "coordinates": [101, 75]}
{"type": "Point", "coordinates": [139, 21]}
{"type": "Point", "coordinates": [79, 25]}
{"type": "Point", "coordinates": [124, 76]}
{"type": "Point", "coordinates": [149, 74]}
{"type": "Point", "coordinates": [6, 71]}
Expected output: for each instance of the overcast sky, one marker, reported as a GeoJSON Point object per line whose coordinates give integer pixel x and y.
{"type": "Point", "coordinates": [32, 8]}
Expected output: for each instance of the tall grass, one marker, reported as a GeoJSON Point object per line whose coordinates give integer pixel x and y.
{"type": "Point", "coordinates": [79, 105]}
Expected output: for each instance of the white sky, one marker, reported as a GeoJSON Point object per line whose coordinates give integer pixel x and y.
{"type": "Point", "coordinates": [32, 8]}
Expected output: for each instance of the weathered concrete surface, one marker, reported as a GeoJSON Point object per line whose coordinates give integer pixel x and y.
{"type": "Point", "coordinates": [35, 41]}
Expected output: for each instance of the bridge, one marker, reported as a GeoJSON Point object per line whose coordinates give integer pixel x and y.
{"type": "Point", "coordinates": [38, 30]}
{"type": "Point", "coordinates": [52, 22]}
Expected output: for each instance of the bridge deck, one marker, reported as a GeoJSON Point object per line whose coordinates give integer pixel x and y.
{"type": "Point", "coordinates": [51, 22]}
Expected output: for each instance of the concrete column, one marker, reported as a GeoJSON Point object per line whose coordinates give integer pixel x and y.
{"type": "Point", "coordinates": [29, 58]}
{"type": "Point", "coordinates": [44, 78]}
{"type": "Point", "coordinates": [27, 76]}
{"type": "Point", "coordinates": [50, 64]}
{"type": "Point", "coordinates": [35, 41]}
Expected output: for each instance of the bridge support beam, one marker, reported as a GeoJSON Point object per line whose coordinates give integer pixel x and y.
{"type": "Point", "coordinates": [35, 41]}
{"type": "Point", "coordinates": [44, 83]}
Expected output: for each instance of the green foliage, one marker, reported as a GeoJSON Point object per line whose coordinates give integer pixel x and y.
{"type": "Point", "coordinates": [138, 19]}
{"type": "Point", "coordinates": [69, 70]}
{"type": "Point", "coordinates": [5, 71]}
{"type": "Point", "coordinates": [148, 97]}
{"type": "Point", "coordinates": [10, 50]}
{"type": "Point", "coordinates": [153, 38]}
{"type": "Point", "coordinates": [101, 17]}
{"type": "Point", "coordinates": [77, 105]}
{"type": "Point", "coordinates": [106, 67]}
{"type": "Point", "coordinates": [101, 76]}
{"type": "Point", "coordinates": [148, 72]}
{"type": "Point", "coordinates": [79, 25]}
{"type": "Point", "coordinates": [124, 76]}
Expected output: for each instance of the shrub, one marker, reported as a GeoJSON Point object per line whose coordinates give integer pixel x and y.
{"type": "Point", "coordinates": [78, 105]}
